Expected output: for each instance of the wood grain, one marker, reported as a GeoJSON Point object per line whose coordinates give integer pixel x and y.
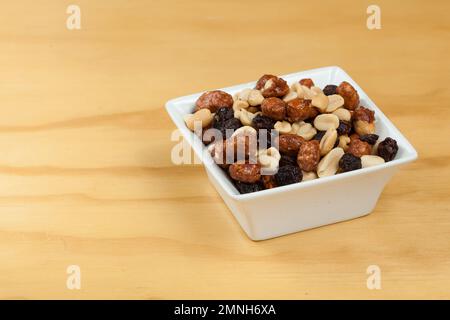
{"type": "Point", "coordinates": [85, 150]}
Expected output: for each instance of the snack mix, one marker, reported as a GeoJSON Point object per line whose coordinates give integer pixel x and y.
{"type": "Point", "coordinates": [276, 134]}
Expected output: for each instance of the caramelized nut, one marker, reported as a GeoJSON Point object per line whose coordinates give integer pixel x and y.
{"type": "Point", "coordinates": [272, 86]}
{"type": "Point", "coordinates": [358, 148]}
{"type": "Point", "coordinates": [245, 172]}
{"type": "Point", "coordinates": [300, 109]}
{"type": "Point", "coordinates": [350, 95]}
{"type": "Point", "coordinates": [308, 155]}
{"type": "Point", "coordinates": [214, 100]}
{"type": "Point", "coordinates": [274, 108]}
{"type": "Point", "coordinates": [290, 144]}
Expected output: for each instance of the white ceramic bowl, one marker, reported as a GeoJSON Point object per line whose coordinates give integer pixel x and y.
{"type": "Point", "coordinates": [305, 205]}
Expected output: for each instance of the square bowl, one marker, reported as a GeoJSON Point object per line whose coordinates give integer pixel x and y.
{"type": "Point", "coordinates": [275, 212]}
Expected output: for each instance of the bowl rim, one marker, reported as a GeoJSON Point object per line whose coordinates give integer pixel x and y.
{"type": "Point", "coordinates": [200, 149]}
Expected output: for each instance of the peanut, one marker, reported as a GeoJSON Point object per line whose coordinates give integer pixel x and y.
{"type": "Point", "coordinates": [344, 141]}
{"type": "Point", "coordinates": [305, 130]}
{"type": "Point", "coordinates": [255, 98]}
{"type": "Point", "coordinates": [329, 164]}
{"type": "Point", "coordinates": [245, 116]}
{"type": "Point", "coordinates": [343, 114]}
{"type": "Point", "coordinates": [239, 104]}
{"type": "Point", "coordinates": [311, 175]}
{"type": "Point", "coordinates": [363, 127]}
{"type": "Point", "coordinates": [320, 101]}
{"type": "Point", "coordinates": [290, 96]}
{"type": "Point", "coordinates": [283, 127]}
{"type": "Point", "coordinates": [202, 116]}
{"type": "Point", "coordinates": [269, 160]}
{"type": "Point", "coordinates": [327, 142]}
{"type": "Point", "coordinates": [370, 160]}
{"type": "Point", "coordinates": [325, 121]}
{"type": "Point", "coordinates": [335, 101]}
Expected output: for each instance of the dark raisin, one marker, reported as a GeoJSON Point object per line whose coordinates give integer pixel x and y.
{"type": "Point", "coordinates": [329, 89]}
{"type": "Point", "coordinates": [263, 122]}
{"type": "Point", "coordinates": [344, 127]}
{"type": "Point", "coordinates": [319, 135]}
{"type": "Point", "coordinates": [232, 123]}
{"type": "Point", "coordinates": [369, 138]}
{"type": "Point", "coordinates": [288, 174]}
{"type": "Point", "coordinates": [349, 162]}
{"type": "Point", "coordinates": [248, 187]}
{"type": "Point", "coordinates": [223, 114]}
{"type": "Point", "coordinates": [286, 160]}
{"type": "Point", "coordinates": [388, 149]}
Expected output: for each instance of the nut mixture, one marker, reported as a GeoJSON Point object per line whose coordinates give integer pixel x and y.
{"type": "Point", "coordinates": [289, 133]}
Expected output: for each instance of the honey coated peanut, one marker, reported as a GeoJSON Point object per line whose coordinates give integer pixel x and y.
{"type": "Point", "coordinates": [359, 148]}
{"type": "Point", "coordinates": [290, 144]}
{"type": "Point", "coordinates": [350, 95]}
{"type": "Point", "coordinates": [300, 109]}
{"type": "Point", "coordinates": [245, 172]}
{"type": "Point", "coordinates": [214, 100]}
{"type": "Point", "coordinates": [308, 155]}
{"type": "Point", "coordinates": [272, 86]}
{"type": "Point", "coordinates": [274, 108]}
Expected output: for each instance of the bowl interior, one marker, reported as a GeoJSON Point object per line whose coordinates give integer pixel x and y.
{"type": "Point", "coordinates": [179, 107]}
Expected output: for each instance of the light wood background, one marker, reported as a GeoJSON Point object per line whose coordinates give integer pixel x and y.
{"type": "Point", "coordinates": [86, 176]}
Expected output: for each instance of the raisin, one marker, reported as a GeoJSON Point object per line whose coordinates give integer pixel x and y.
{"type": "Point", "coordinates": [288, 174]}
{"type": "Point", "coordinates": [286, 160]}
{"type": "Point", "coordinates": [222, 126]}
{"type": "Point", "coordinates": [223, 114]}
{"type": "Point", "coordinates": [319, 135]}
{"type": "Point", "coordinates": [247, 187]}
{"type": "Point", "coordinates": [349, 162]}
{"type": "Point", "coordinates": [369, 138]}
{"type": "Point", "coordinates": [263, 122]}
{"type": "Point", "coordinates": [344, 127]}
{"type": "Point", "coordinates": [329, 89]}
{"type": "Point", "coordinates": [388, 149]}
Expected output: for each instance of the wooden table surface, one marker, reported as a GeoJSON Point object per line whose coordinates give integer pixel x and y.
{"type": "Point", "coordinates": [85, 169]}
